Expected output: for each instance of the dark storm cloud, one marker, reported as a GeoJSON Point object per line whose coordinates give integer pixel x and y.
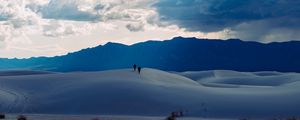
{"type": "Point", "coordinates": [261, 19]}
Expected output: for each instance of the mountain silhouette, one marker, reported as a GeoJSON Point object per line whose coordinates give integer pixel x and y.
{"type": "Point", "coordinates": [177, 54]}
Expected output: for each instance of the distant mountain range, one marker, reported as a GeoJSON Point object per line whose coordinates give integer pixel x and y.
{"type": "Point", "coordinates": [177, 54]}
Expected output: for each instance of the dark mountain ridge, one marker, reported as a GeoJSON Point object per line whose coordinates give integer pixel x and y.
{"type": "Point", "coordinates": [177, 54]}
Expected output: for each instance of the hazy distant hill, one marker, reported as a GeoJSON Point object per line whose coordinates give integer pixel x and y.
{"type": "Point", "coordinates": [178, 54]}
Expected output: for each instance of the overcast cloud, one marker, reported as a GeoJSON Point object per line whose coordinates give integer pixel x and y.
{"type": "Point", "coordinates": [70, 25]}
{"type": "Point", "coordinates": [263, 21]}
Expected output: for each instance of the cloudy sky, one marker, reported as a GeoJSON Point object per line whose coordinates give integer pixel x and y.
{"type": "Point", "coordinates": [55, 27]}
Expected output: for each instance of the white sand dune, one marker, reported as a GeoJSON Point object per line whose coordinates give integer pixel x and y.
{"type": "Point", "coordinates": [217, 93]}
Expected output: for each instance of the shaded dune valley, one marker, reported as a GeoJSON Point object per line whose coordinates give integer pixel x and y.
{"type": "Point", "coordinates": [220, 94]}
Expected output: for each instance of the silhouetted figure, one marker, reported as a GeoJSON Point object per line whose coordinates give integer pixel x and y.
{"type": "Point", "coordinates": [139, 69]}
{"type": "Point", "coordinates": [21, 117]}
{"type": "Point", "coordinates": [180, 113]}
{"type": "Point", "coordinates": [2, 116]}
{"type": "Point", "coordinates": [134, 67]}
{"type": "Point", "coordinates": [172, 116]}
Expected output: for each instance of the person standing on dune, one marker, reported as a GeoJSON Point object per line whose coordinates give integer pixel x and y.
{"type": "Point", "coordinates": [139, 70]}
{"type": "Point", "coordinates": [134, 67]}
